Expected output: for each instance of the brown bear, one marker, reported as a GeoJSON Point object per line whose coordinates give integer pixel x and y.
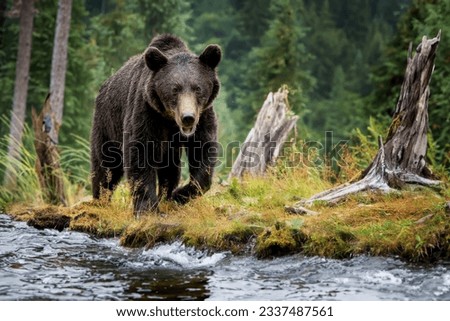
{"type": "Point", "coordinates": [156, 105]}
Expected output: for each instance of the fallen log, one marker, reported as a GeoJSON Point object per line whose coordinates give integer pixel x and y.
{"type": "Point", "coordinates": [47, 165]}
{"type": "Point", "coordinates": [263, 144]}
{"type": "Point", "coordinates": [402, 158]}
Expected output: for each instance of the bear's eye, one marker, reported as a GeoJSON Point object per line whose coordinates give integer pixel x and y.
{"type": "Point", "coordinates": [176, 90]}
{"type": "Point", "coordinates": [197, 89]}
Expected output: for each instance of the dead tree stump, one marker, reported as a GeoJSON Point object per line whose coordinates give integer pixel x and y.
{"type": "Point", "coordinates": [402, 158]}
{"type": "Point", "coordinates": [263, 144]}
{"type": "Point", "coordinates": [47, 157]}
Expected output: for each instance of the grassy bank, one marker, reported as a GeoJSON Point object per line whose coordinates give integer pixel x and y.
{"type": "Point", "coordinates": [248, 217]}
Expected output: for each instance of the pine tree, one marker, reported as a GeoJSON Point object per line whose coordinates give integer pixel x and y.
{"type": "Point", "coordinates": [326, 43]}
{"type": "Point", "coordinates": [166, 16]}
{"type": "Point", "coordinates": [281, 59]}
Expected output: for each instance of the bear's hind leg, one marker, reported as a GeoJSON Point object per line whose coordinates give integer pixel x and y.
{"type": "Point", "coordinates": [106, 171]}
{"type": "Point", "coordinates": [143, 187]}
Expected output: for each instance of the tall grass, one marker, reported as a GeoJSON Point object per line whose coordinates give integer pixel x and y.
{"type": "Point", "coordinates": [26, 188]}
{"type": "Point", "coordinates": [74, 162]}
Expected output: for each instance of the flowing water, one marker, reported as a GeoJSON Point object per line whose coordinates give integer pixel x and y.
{"type": "Point", "coordinates": [51, 265]}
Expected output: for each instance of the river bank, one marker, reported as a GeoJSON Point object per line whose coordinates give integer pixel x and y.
{"type": "Point", "coordinates": [248, 217]}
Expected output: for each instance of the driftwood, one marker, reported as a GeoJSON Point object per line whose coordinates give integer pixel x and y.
{"type": "Point", "coordinates": [402, 158]}
{"type": "Point", "coordinates": [264, 141]}
{"type": "Point", "coordinates": [48, 166]}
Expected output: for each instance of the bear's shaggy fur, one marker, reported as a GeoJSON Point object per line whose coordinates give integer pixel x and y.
{"type": "Point", "coordinates": [158, 103]}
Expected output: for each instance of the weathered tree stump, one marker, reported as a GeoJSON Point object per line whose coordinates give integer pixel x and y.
{"type": "Point", "coordinates": [402, 158]}
{"type": "Point", "coordinates": [47, 157]}
{"type": "Point", "coordinates": [264, 141]}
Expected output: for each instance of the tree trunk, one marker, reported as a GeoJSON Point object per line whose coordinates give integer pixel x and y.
{"type": "Point", "coordinates": [402, 159]}
{"type": "Point", "coordinates": [20, 89]}
{"type": "Point", "coordinates": [47, 157]}
{"type": "Point", "coordinates": [47, 123]}
{"type": "Point", "coordinates": [59, 66]}
{"type": "Point", "coordinates": [264, 141]}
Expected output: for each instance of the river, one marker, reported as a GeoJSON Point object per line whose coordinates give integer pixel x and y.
{"type": "Point", "coordinates": [51, 265]}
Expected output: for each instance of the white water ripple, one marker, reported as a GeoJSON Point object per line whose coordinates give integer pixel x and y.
{"type": "Point", "coordinates": [382, 278]}
{"type": "Point", "coordinates": [180, 255]}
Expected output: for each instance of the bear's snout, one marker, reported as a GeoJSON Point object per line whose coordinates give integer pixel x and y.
{"type": "Point", "coordinates": [188, 119]}
{"type": "Point", "coordinates": [187, 114]}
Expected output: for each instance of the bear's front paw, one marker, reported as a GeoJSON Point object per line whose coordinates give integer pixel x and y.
{"type": "Point", "coordinates": [181, 195]}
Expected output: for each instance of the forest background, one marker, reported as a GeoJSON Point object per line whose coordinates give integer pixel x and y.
{"type": "Point", "coordinates": [342, 60]}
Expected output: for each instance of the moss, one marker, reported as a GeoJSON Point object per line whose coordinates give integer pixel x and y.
{"type": "Point", "coordinates": [42, 220]}
{"type": "Point", "coordinates": [277, 240]}
{"type": "Point", "coordinates": [239, 236]}
{"type": "Point", "coordinates": [386, 226]}
{"type": "Point", "coordinates": [140, 235]}
{"type": "Point", "coordinates": [86, 222]}
{"type": "Point", "coordinates": [334, 240]}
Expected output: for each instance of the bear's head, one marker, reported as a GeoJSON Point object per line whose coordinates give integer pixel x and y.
{"type": "Point", "coordinates": [183, 85]}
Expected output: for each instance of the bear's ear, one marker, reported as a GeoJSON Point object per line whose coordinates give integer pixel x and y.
{"type": "Point", "coordinates": [155, 59]}
{"type": "Point", "coordinates": [211, 56]}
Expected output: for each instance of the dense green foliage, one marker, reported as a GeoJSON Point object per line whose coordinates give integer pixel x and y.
{"type": "Point", "coordinates": [342, 60]}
